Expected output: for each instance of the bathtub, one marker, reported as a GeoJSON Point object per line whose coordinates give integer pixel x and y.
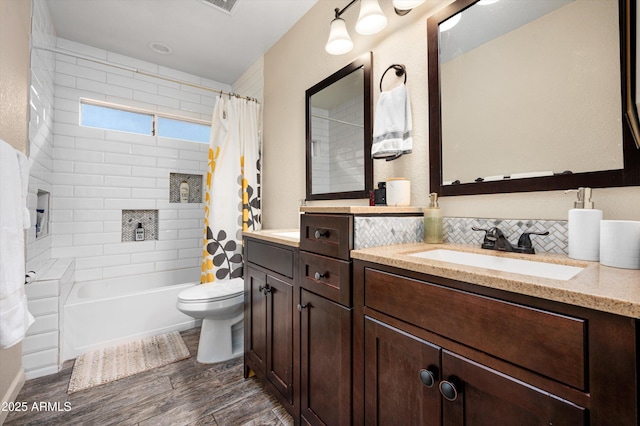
{"type": "Point", "coordinates": [103, 313]}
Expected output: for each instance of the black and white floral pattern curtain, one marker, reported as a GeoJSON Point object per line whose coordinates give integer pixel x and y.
{"type": "Point", "coordinates": [232, 202]}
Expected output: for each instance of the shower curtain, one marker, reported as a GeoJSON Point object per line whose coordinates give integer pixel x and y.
{"type": "Point", "coordinates": [232, 201]}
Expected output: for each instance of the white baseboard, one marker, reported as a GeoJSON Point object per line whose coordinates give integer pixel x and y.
{"type": "Point", "coordinates": [12, 392]}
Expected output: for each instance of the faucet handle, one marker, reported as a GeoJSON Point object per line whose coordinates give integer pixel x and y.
{"type": "Point", "coordinates": [524, 242]}
{"type": "Point", "coordinates": [490, 236]}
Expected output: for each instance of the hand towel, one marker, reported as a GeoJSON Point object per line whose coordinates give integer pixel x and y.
{"type": "Point", "coordinates": [392, 125]}
{"type": "Point", "coordinates": [15, 318]}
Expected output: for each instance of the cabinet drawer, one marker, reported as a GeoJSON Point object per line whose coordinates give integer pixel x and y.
{"type": "Point", "coordinates": [550, 344]}
{"type": "Point", "coordinates": [328, 277]}
{"type": "Point", "coordinates": [327, 234]}
{"type": "Point", "coordinates": [272, 257]}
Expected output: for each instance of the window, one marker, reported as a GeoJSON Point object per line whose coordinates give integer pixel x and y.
{"type": "Point", "coordinates": [179, 129]}
{"type": "Point", "coordinates": [116, 119]}
{"type": "Point", "coordinates": [145, 123]}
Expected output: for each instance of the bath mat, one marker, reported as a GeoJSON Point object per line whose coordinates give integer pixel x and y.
{"type": "Point", "coordinates": [102, 366]}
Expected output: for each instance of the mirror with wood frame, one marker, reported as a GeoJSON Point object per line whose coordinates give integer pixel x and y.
{"type": "Point", "coordinates": [338, 134]}
{"type": "Point", "coordinates": [543, 101]}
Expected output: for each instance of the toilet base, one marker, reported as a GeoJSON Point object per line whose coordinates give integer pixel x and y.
{"type": "Point", "coordinates": [220, 340]}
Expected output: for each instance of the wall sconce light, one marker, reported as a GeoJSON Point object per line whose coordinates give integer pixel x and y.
{"type": "Point", "coordinates": [403, 7]}
{"type": "Point", "coordinates": [371, 20]}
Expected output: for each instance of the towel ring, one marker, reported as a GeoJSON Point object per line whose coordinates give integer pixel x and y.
{"type": "Point", "coordinates": [400, 71]}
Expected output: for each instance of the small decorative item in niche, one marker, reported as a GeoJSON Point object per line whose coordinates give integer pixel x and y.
{"type": "Point", "coordinates": [185, 188]}
{"type": "Point", "coordinates": [134, 220]}
{"type": "Point", "coordinates": [184, 191]}
{"type": "Point", "coordinates": [42, 214]}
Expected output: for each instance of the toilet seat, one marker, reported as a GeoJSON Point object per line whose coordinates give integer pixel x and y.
{"type": "Point", "coordinates": [212, 292]}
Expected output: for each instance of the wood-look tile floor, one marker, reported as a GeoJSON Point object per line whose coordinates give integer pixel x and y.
{"type": "Point", "coordinates": [182, 393]}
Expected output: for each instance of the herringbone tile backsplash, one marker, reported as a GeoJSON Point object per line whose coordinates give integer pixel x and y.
{"type": "Point", "coordinates": [458, 230]}
{"type": "Point", "coordinates": [373, 231]}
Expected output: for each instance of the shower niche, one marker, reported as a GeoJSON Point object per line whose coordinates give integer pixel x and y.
{"type": "Point", "coordinates": [42, 214]}
{"type": "Point", "coordinates": [185, 188]}
{"type": "Point", "coordinates": [139, 225]}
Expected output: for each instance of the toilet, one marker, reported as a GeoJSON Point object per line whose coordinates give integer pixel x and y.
{"type": "Point", "coordinates": [220, 305]}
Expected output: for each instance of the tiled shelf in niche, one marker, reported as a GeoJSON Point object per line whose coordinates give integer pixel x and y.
{"type": "Point", "coordinates": [148, 219]}
{"type": "Point", "coordinates": [195, 187]}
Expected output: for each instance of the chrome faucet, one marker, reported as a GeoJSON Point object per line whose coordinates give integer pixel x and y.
{"type": "Point", "coordinates": [494, 239]}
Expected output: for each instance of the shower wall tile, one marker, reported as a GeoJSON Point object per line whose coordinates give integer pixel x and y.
{"type": "Point", "coordinates": [98, 173]}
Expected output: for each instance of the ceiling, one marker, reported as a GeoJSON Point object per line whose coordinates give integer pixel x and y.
{"type": "Point", "coordinates": [205, 40]}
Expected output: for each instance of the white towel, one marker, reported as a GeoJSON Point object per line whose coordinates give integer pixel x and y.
{"type": "Point", "coordinates": [15, 318]}
{"type": "Point", "coordinates": [392, 125]}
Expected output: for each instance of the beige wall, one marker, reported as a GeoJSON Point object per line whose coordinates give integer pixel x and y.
{"type": "Point", "coordinates": [298, 61]}
{"type": "Point", "coordinates": [15, 22]}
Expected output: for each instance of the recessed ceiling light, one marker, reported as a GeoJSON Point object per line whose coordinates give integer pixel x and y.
{"type": "Point", "coordinates": [161, 48]}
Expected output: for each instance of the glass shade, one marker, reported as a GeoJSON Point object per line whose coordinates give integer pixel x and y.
{"type": "Point", "coordinates": [339, 41]}
{"type": "Point", "coordinates": [371, 19]}
{"type": "Point", "coordinates": [407, 4]}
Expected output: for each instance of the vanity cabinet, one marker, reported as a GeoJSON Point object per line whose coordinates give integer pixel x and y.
{"type": "Point", "coordinates": [325, 319]}
{"type": "Point", "coordinates": [269, 318]}
{"type": "Point", "coordinates": [441, 352]}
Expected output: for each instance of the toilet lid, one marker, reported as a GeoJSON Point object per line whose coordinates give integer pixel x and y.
{"type": "Point", "coordinates": [217, 290]}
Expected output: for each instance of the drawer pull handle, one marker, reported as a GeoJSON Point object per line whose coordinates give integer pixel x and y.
{"type": "Point", "coordinates": [448, 391]}
{"type": "Point", "coordinates": [318, 275]}
{"type": "Point", "coordinates": [321, 233]}
{"type": "Point", "coordinates": [427, 377]}
{"type": "Point", "coordinates": [302, 307]}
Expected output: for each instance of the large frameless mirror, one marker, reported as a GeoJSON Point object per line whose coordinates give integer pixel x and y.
{"type": "Point", "coordinates": [338, 126]}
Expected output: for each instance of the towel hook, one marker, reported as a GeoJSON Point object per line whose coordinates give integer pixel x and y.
{"type": "Point", "coordinates": [400, 71]}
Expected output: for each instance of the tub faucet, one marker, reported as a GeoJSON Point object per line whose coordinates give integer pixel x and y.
{"type": "Point", "coordinates": [494, 239]}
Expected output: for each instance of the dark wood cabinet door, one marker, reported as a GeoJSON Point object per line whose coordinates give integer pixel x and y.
{"type": "Point", "coordinates": [401, 377]}
{"type": "Point", "coordinates": [280, 336]}
{"type": "Point", "coordinates": [325, 361]}
{"type": "Point", "coordinates": [478, 396]}
{"type": "Point", "coordinates": [257, 328]}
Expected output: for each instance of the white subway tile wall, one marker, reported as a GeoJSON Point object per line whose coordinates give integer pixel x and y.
{"type": "Point", "coordinates": [41, 136]}
{"type": "Point", "coordinates": [98, 173]}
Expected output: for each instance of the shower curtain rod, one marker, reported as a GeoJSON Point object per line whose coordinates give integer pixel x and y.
{"type": "Point", "coordinates": [145, 73]}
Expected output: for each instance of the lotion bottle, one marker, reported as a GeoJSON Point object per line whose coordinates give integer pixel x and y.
{"type": "Point", "coordinates": [184, 191]}
{"type": "Point", "coordinates": [584, 228]}
{"type": "Point", "coordinates": [432, 221]}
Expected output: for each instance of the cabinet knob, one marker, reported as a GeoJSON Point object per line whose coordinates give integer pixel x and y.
{"type": "Point", "coordinates": [318, 275]}
{"type": "Point", "coordinates": [264, 289]}
{"type": "Point", "coordinates": [427, 377]}
{"type": "Point", "coordinates": [448, 390]}
{"type": "Point", "coordinates": [302, 307]}
{"type": "Point", "coordinates": [321, 233]}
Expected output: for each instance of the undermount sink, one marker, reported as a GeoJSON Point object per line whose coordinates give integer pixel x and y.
{"type": "Point", "coordinates": [288, 234]}
{"type": "Point", "coordinates": [505, 264]}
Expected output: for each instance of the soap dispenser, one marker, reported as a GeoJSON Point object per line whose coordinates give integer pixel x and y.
{"type": "Point", "coordinates": [139, 232]}
{"type": "Point", "coordinates": [584, 228]}
{"type": "Point", "coordinates": [432, 221]}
